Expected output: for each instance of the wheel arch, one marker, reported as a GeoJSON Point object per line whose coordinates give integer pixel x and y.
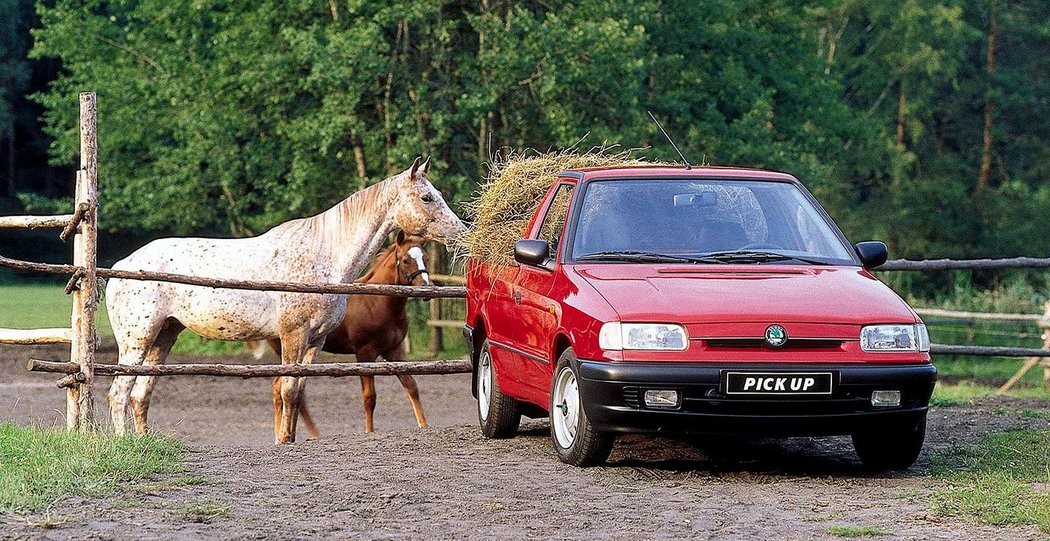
{"type": "Point", "coordinates": [561, 343]}
{"type": "Point", "coordinates": [477, 339]}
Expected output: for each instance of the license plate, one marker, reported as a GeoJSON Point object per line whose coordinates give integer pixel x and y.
{"type": "Point", "coordinates": [778, 383]}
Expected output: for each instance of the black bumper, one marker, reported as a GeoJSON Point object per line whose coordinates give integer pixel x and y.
{"type": "Point", "coordinates": [613, 399]}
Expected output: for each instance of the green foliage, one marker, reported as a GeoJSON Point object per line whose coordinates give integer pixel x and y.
{"type": "Point", "coordinates": [995, 482]}
{"type": "Point", "coordinates": [857, 531]}
{"type": "Point", "coordinates": [226, 118]}
{"type": "Point", "coordinates": [37, 467]}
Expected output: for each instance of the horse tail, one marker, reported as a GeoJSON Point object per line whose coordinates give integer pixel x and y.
{"type": "Point", "coordinates": [307, 420]}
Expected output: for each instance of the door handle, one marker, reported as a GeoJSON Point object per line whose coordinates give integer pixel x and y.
{"type": "Point", "coordinates": [517, 297]}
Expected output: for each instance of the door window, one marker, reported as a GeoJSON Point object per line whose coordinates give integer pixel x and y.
{"type": "Point", "coordinates": [554, 222]}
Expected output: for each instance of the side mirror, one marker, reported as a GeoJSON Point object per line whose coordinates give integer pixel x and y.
{"type": "Point", "coordinates": [872, 253]}
{"type": "Point", "coordinates": [535, 252]}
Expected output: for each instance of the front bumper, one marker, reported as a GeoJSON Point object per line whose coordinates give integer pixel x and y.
{"type": "Point", "coordinates": [612, 397]}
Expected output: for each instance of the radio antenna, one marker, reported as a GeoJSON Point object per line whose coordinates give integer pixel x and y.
{"type": "Point", "coordinates": [662, 130]}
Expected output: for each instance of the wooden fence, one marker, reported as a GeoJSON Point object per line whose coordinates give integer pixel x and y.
{"type": "Point", "coordinates": [82, 225]}
{"type": "Point", "coordinates": [84, 273]}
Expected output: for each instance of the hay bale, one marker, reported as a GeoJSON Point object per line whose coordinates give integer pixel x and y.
{"type": "Point", "coordinates": [508, 197]}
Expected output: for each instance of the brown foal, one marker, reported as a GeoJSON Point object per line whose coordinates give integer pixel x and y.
{"type": "Point", "coordinates": [375, 326]}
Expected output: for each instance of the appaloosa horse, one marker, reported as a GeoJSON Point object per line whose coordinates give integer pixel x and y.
{"type": "Point", "coordinates": [375, 326]}
{"type": "Point", "coordinates": [331, 247]}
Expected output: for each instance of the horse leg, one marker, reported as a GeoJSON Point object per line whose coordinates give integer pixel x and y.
{"type": "Point", "coordinates": [157, 354]}
{"type": "Point", "coordinates": [292, 350]}
{"type": "Point", "coordinates": [412, 390]}
{"type": "Point", "coordinates": [368, 354]}
{"type": "Point", "coordinates": [400, 353]}
{"type": "Point", "coordinates": [278, 405]}
{"type": "Point", "coordinates": [134, 345]}
{"type": "Point", "coordinates": [368, 396]}
{"type": "Point", "coordinates": [293, 388]}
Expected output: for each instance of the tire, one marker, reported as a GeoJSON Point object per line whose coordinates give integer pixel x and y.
{"type": "Point", "coordinates": [498, 414]}
{"type": "Point", "coordinates": [574, 437]}
{"type": "Point", "coordinates": [891, 448]}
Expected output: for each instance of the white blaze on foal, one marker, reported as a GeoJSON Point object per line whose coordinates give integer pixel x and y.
{"type": "Point", "coordinates": [331, 247]}
{"type": "Point", "coordinates": [416, 253]}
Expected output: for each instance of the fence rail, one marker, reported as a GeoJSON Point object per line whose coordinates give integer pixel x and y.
{"type": "Point", "coordinates": [988, 351]}
{"type": "Point", "coordinates": [334, 370]}
{"type": "Point", "coordinates": [34, 222]}
{"type": "Point", "coordinates": [987, 316]}
{"type": "Point", "coordinates": [962, 264]}
{"type": "Point", "coordinates": [423, 292]}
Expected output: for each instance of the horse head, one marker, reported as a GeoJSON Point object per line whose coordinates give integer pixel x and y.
{"type": "Point", "coordinates": [411, 260]}
{"type": "Point", "coordinates": [421, 211]}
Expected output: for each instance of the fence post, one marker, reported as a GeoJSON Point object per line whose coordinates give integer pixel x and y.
{"type": "Point", "coordinates": [436, 338]}
{"type": "Point", "coordinates": [1044, 324]}
{"type": "Point", "coordinates": [80, 405]}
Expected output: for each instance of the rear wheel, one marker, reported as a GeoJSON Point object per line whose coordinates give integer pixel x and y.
{"type": "Point", "coordinates": [891, 448]}
{"type": "Point", "coordinates": [498, 414]}
{"type": "Point", "coordinates": [575, 439]}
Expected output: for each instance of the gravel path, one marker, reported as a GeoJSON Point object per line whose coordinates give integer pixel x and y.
{"type": "Point", "coordinates": [448, 482]}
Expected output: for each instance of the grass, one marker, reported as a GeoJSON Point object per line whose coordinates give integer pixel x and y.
{"type": "Point", "coordinates": [39, 467]}
{"type": "Point", "coordinates": [857, 531]}
{"type": "Point", "coordinates": [40, 305]}
{"type": "Point", "coordinates": [204, 510]}
{"type": "Point", "coordinates": [996, 482]}
{"type": "Point", "coordinates": [965, 392]}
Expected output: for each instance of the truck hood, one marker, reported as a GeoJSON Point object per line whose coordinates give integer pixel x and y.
{"type": "Point", "coordinates": [703, 294]}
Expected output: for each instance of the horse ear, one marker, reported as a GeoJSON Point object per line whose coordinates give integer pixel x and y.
{"type": "Point", "coordinates": [426, 165]}
{"type": "Point", "coordinates": [400, 238]}
{"type": "Point", "coordinates": [415, 166]}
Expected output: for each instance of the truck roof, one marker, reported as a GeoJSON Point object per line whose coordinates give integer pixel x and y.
{"type": "Point", "coordinates": [675, 171]}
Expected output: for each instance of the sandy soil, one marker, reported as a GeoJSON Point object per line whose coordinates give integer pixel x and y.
{"type": "Point", "coordinates": [449, 482]}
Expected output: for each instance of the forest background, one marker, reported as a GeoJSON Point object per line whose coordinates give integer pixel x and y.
{"type": "Point", "coordinates": [923, 123]}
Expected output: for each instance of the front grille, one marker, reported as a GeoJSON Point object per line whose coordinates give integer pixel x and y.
{"type": "Point", "coordinates": [756, 343]}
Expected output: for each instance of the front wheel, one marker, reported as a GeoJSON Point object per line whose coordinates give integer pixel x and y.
{"type": "Point", "coordinates": [498, 414]}
{"type": "Point", "coordinates": [891, 448]}
{"type": "Point", "coordinates": [575, 439]}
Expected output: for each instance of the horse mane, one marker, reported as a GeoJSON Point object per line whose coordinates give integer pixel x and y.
{"type": "Point", "coordinates": [380, 259]}
{"type": "Point", "coordinates": [329, 228]}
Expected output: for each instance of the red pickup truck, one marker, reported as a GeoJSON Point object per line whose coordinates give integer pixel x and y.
{"type": "Point", "coordinates": [701, 300]}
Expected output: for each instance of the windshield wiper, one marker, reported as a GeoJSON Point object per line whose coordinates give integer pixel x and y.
{"type": "Point", "coordinates": [755, 256]}
{"type": "Point", "coordinates": [632, 256]}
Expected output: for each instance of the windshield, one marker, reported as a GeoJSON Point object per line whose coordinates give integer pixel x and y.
{"type": "Point", "coordinates": [704, 221]}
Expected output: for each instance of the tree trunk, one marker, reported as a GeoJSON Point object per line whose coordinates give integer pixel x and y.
{"type": "Point", "coordinates": [359, 157]}
{"type": "Point", "coordinates": [989, 104]}
{"type": "Point", "coordinates": [902, 113]}
{"type": "Point", "coordinates": [12, 186]}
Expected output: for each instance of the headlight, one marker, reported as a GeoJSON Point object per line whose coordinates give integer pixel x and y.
{"type": "Point", "coordinates": [895, 338]}
{"type": "Point", "coordinates": [615, 336]}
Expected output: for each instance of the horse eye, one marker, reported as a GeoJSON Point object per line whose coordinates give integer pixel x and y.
{"type": "Point", "coordinates": [427, 198]}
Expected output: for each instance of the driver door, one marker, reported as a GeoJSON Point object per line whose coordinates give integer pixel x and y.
{"type": "Point", "coordinates": [537, 311]}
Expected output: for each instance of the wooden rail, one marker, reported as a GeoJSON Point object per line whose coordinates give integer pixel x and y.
{"type": "Point", "coordinates": [988, 351]}
{"type": "Point", "coordinates": [335, 370]}
{"type": "Point", "coordinates": [424, 292]}
{"type": "Point", "coordinates": [959, 264]}
{"type": "Point", "coordinates": [34, 222]}
{"type": "Point", "coordinates": [26, 337]}
{"type": "Point", "coordinates": [990, 316]}
{"type": "Point", "coordinates": [446, 323]}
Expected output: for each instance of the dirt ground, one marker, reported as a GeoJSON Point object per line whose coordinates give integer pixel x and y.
{"type": "Point", "coordinates": [447, 482]}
